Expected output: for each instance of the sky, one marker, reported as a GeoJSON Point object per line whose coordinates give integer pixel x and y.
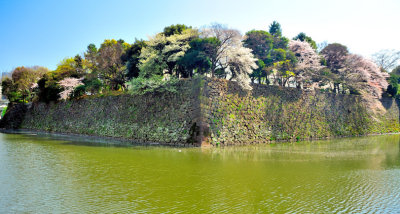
{"type": "Point", "coordinates": [43, 32]}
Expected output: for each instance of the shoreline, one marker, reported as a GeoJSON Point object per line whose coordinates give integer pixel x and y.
{"type": "Point", "coordinates": [115, 141]}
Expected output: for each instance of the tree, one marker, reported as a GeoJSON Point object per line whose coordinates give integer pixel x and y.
{"type": "Point", "coordinates": [393, 88]}
{"type": "Point", "coordinates": [364, 76]}
{"type": "Point", "coordinates": [261, 42]}
{"type": "Point", "coordinates": [275, 29]}
{"type": "Point", "coordinates": [280, 42]}
{"type": "Point", "coordinates": [49, 89]}
{"type": "Point", "coordinates": [387, 59]}
{"type": "Point", "coordinates": [308, 61]}
{"type": "Point", "coordinates": [270, 49]}
{"type": "Point", "coordinates": [227, 38]}
{"type": "Point", "coordinates": [304, 38]}
{"type": "Point", "coordinates": [109, 63]}
{"type": "Point", "coordinates": [198, 57]}
{"type": "Point", "coordinates": [396, 70]}
{"type": "Point", "coordinates": [10, 90]}
{"type": "Point", "coordinates": [283, 72]}
{"type": "Point", "coordinates": [68, 85]}
{"type": "Point", "coordinates": [19, 87]}
{"type": "Point", "coordinates": [69, 67]}
{"type": "Point", "coordinates": [90, 57]}
{"type": "Point", "coordinates": [175, 29]}
{"type": "Point", "coordinates": [336, 55]}
{"type": "Point", "coordinates": [241, 63]}
{"type": "Point", "coordinates": [163, 53]}
{"type": "Point", "coordinates": [321, 46]}
{"type": "Point", "coordinates": [132, 57]}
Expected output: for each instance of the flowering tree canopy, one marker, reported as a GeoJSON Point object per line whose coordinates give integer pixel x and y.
{"type": "Point", "coordinates": [69, 84]}
{"type": "Point", "coordinates": [240, 64]}
{"type": "Point", "coordinates": [163, 52]}
{"type": "Point", "coordinates": [308, 61]}
{"type": "Point", "coordinates": [365, 76]}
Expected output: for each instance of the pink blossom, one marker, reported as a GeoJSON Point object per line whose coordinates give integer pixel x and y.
{"type": "Point", "coordinates": [69, 84]}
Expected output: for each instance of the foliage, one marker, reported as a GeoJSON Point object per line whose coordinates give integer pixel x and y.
{"type": "Point", "coordinates": [20, 87]}
{"type": "Point", "coordinates": [49, 89]}
{"type": "Point", "coordinates": [271, 48]}
{"type": "Point", "coordinates": [393, 88]}
{"type": "Point", "coordinates": [3, 112]}
{"type": "Point", "coordinates": [110, 65]}
{"type": "Point", "coordinates": [175, 29]}
{"type": "Point", "coordinates": [283, 72]}
{"type": "Point", "coordinates": [78, 92]}
{"type": "Point", "coordinates": [90, 57]}
{"type": "Point", "coordinates": [261, 42]}
{"type": "Point", "coordinates": [198, 57]}
{"type": "Point", "coordinates": [88, 87]}
{"type": "Point", "coordinates": [264, 57]}
{"type": "Point", "coordinates": [275, 29]}
{"type": "Point", "coordinates": [304, 38]}
{"type": "Point", "coordinates": [396, 70]}
{"type": "Point", "coordinates": [163, 53]}
{"type": "Point", "coordinates": [69, 67]}
{"type": "Point", "coordinates": [132, 56]}
{"type": "Point", "coordinates": [141, 85]}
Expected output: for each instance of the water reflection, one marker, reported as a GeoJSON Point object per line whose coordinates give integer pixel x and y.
{"type": "Point", "coordinates": [44, 174]}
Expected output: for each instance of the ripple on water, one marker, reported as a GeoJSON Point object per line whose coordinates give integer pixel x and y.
{"type": "Point", "coordinates": [350, 176]}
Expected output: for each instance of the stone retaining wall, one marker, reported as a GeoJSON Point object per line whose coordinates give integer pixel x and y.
{"type": "Point", "coordinates": [210, 112]}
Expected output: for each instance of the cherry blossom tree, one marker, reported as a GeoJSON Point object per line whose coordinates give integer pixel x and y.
{"type": "Point", "coordinates": [69, 84]}
{"type": "Point", "coordinates": [162, 52]}
{"type": "Point", "coordinates": [308, 61]}
{"type": "Point", "coordinates": [228, 38]}
{"type": "Point", "coordinates": [230, 55]}
{"type": "Point", "coordinates": [240, 64]}
{"type": "Point", "coordinates": [364, 76]}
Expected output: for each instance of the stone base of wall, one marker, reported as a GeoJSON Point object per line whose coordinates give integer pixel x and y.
{"type": "Point", "coordinates": [210, 112]}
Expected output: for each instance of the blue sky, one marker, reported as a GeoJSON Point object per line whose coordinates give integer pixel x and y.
{"type": "Point", "coordinates": [43, 32]}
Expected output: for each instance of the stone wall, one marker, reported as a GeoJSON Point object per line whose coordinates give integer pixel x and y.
{"type": "Point", "coordinates": [270, 113]}
{"type": "Point", "coordinates": [165, 118]}
{"type": "Point", "coordinates": [211, 112]}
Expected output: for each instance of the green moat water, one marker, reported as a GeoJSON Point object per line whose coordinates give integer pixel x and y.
{"type": "Point", "coordinates": [43, 174]}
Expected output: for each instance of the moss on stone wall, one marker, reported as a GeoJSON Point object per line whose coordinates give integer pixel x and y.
{"type": "Point", "coordinates": [270, 113]}
{"type": "Point", "coordinates": [206, 111]}
{"type": "Point", "coordinates": [160, 117]}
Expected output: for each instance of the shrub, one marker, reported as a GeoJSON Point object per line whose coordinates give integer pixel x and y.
{"type": "Point", "coordinates": [140, 85]}
{"type": "Point", "coordinates": [78, 92]}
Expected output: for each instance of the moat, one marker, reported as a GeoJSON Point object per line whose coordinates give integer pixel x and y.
{"type": "Point", "coordinates": [50, 174]}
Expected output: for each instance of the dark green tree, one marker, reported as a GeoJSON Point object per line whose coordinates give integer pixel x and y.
{"type": "Point", "coordinates": [131, 58]}
{"type": "Point", "coordinates": [261, 42]}
{"type": "Point", "coordinates": [49, 90]}
{"type": "Point", "coordinates": [396, 70]}
{"type": "Point", "coordinates": [175, 29]}
{"type": "Point", "coordinates": [393, 88]}
{"type": "Point", "coordinates": [275, 29]}
{"type": "Point", "coordinates": [199, 58]}
{"type": "Point", "coordinates": [269, 47]}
